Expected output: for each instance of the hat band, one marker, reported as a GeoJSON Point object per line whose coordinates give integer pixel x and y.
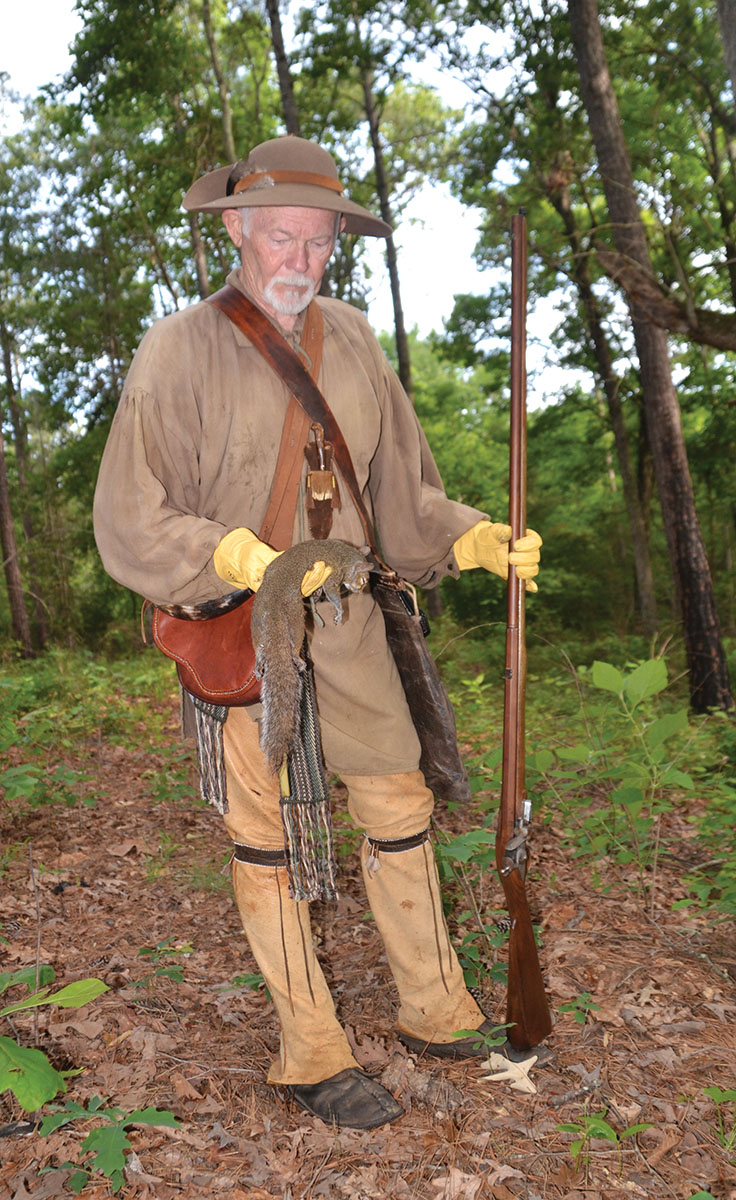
{"type": "Point", "coordinates": [325, 181]}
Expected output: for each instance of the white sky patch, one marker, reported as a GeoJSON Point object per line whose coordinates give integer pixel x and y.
{"type": "Point", "coordinates": [435, 241]}
{"type": "Point", "coordinates": [34, 49]}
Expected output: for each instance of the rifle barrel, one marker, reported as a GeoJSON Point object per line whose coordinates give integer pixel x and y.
{"type": "Point", "coordinates": [527, 1010]}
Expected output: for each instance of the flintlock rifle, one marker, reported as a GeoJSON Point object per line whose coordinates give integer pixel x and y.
{"type": "Point", "coordinates": [527, 1011]}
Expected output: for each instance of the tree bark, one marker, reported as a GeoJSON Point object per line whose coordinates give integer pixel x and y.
{"type": "Point", "coordinates": [20, 440]}
{"type": "Point", "coordinates": [727, 21]}
{"type": "Point", "coordinates": [200, 257]}
{"type": "Point", "coordinates": [16, 599]}
{"type": "Point", "coordinates": [286, 87]}
{"type": "Point", "coordinates": [402, 341]}
{"type": "Point", "coordinates": [560, 198]}
{"type": "Point", "coordinates": [709, 683]}
{"type": "Point", "coordinates": [227, 116]}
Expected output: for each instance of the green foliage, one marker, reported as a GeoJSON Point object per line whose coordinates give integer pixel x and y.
{"type": "Point", "coordinates": [67, 697]}
{"type": "Point", "coordinates": [108, 1143]}
{"type": "Point", "coordinates": [496, 1036]}
{"type": "Point", "coordinates": [33, 1081]}
{"type": "Point", "coordinates": [477, 951]}
{"type": "Point", "coordinates": [631, 753]}
{"type": "Point", "coordinates": [580, 1007]}
{"type": "Point", "coordinates": [25, 1071]}
{"type": "Point", "coordinates": [28, 1074]}
{"type": "Point", "coordinates": [596, 1126]}
{"type": "Point", "coordinates": [74, 995]}
{"type": "Point", "coordinates": [252, 981]}
{"type": "Point", "coordinates": [611, 751]}
{"type": "Point", "coordinates": [726, 1126]}
{"type": "Point", "coordinates": [162, 958]}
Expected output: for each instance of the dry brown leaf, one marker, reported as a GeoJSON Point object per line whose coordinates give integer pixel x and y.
{"type": "Point", "coordinates": [184, 1089]}
{"type": "Point", "coordinates": [456, 1185]}
{"type": "Point", "coordinates": [129, 846]}
{"type": "Point", "coordinates": [135, 1173]}
{"type": "Point", "coordinates": [516, 1073]}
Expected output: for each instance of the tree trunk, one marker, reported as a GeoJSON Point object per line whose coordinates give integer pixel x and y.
{"type": "Point", "coordinates": [402, 342]}
{"type": "Point", "coordinates": [611, 386]}
{"type": "Point", "coordinates": [20, 439]}
{"type": "Point", "coordinates": [16, 599]}
{"type": "Point", "coordinates": [227, 116]}
{"type": "Point", "coordinates": [200, 257]}
{"type": "Point", "coordinates": [709, 683]}
{"type": "Point", "coordinates": [286, 87]}
{"type": "Point", "coordinates": [727, 21]}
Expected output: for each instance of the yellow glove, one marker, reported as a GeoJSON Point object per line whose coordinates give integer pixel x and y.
{"type": "Point", "coordinates": [487, 545]}
{"type": "Point", "coordinates": [241, 559]}
{"type": "Point", "coordinates": [312, 579]}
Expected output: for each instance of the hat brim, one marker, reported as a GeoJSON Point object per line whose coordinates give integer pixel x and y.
{"type": "Point", "coordinates": [208, 195]}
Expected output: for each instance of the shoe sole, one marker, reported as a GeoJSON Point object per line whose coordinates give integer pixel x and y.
{"type": "Point", "coordinates": [463, 1048]}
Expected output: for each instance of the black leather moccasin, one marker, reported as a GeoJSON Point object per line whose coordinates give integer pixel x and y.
{"type": "Point", "coordinates": [350, 1099]}
{"type": "Point", "coordinates": [473, 1047]}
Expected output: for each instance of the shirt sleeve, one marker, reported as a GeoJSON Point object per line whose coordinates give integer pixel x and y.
{"type": "Point", "coordinates": [148, 530]}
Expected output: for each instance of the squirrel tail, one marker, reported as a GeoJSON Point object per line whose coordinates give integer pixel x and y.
{"type": "Point", "coordinates": [281, 699]}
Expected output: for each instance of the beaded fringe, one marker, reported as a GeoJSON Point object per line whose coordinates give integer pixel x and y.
{"type": "Point", "coordinates": [305, 812]}
{"type": "Point", "coordinates": [210, 719]}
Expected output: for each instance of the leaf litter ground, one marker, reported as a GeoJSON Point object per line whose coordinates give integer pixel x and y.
{"type": "Point", "coordinates": [180, 1030]}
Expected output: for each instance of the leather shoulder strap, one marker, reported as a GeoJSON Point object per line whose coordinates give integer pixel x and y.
{"type": "Point", "coordinates": [278, 524]}
{"type": "Point", "coordinates": [278, 354]}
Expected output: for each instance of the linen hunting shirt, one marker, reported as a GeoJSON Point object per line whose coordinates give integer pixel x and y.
{"type": "Point", "coordinates": [191, 456]}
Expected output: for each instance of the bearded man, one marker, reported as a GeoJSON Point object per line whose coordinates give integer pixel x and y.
{"type": "Point", "coordinates": [184, 484]}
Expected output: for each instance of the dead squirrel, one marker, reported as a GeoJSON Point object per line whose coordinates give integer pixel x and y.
{"type": "Point", "coordinates": [278, 626]}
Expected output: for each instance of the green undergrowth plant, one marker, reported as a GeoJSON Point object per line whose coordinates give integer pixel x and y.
{"type": "Point", "coordinates": [26, 1071]}
{"type": "Point", "coordinates": [611, 752]}
{"type": "Point", "coordinates": [595, 1126]}
{"type": "Point", "coordinates": [107, 1143]}
{"type": "Point", "coordinates": [616, 783]}
{"type": "Point", "coordinates": [494, 1037]}
{"type": "Point", "coordinates": [465, 861]}
{"type": "Point", "coordinates": [580, 1007]}
{"type": "Point", "coordinates": [165, 961]}
{"type": "Point", "coordinates": [614, 755]}
{"type": "Point", "coordinates": [55, 706]}
{"type": "Point", "coordinates": [725, 1103]}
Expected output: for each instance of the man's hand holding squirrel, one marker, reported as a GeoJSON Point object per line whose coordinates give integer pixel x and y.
{"type": "Point", "coordinates": [487, 545]}
{"type": "Point", "coordinates": [241, 559]}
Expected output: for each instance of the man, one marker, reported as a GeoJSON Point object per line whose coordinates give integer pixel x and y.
{"type": "Point", "coordinates": [184, 484]}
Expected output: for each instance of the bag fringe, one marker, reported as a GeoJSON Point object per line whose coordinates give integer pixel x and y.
{"type": "Point", "coordinates": [210, 719]}
{"type": "Point", "coordinates": [305, 813]}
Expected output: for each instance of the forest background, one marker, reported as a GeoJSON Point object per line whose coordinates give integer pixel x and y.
{"type": "Point", "coordinates": [630, 477]}
{"type": "Point", "coordinates": [616, 131]}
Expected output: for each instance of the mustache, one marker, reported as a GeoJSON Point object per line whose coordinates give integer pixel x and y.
{"type": "Point", "coordinates": [293, 279]}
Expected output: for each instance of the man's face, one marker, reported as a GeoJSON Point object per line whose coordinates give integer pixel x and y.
{"type": "Point", "coordinates": [284, 254]}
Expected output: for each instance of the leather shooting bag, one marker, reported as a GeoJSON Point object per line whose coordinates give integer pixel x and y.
{"type": "Point", "coordinates": [215, 656]}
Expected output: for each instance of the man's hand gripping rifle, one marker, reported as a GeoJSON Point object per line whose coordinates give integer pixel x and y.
{"type": "Point", "coordinates": [527, 1012]}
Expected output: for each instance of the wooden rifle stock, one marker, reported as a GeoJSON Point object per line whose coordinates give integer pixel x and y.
{"type": "Point", "coordinates": [527, 1010]}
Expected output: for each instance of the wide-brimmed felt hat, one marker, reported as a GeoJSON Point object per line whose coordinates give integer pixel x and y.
{"type": "Point", "coordinates": [285, 171]}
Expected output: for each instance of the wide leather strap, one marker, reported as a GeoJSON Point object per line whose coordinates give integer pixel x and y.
{"type": "Point", "coordinates": [278, 523]}
{"type": "Point", "coordinates": [278, 354]}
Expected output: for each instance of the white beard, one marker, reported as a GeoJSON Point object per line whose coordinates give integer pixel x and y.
{"type": "Point", "coordinates": [294, 298]}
